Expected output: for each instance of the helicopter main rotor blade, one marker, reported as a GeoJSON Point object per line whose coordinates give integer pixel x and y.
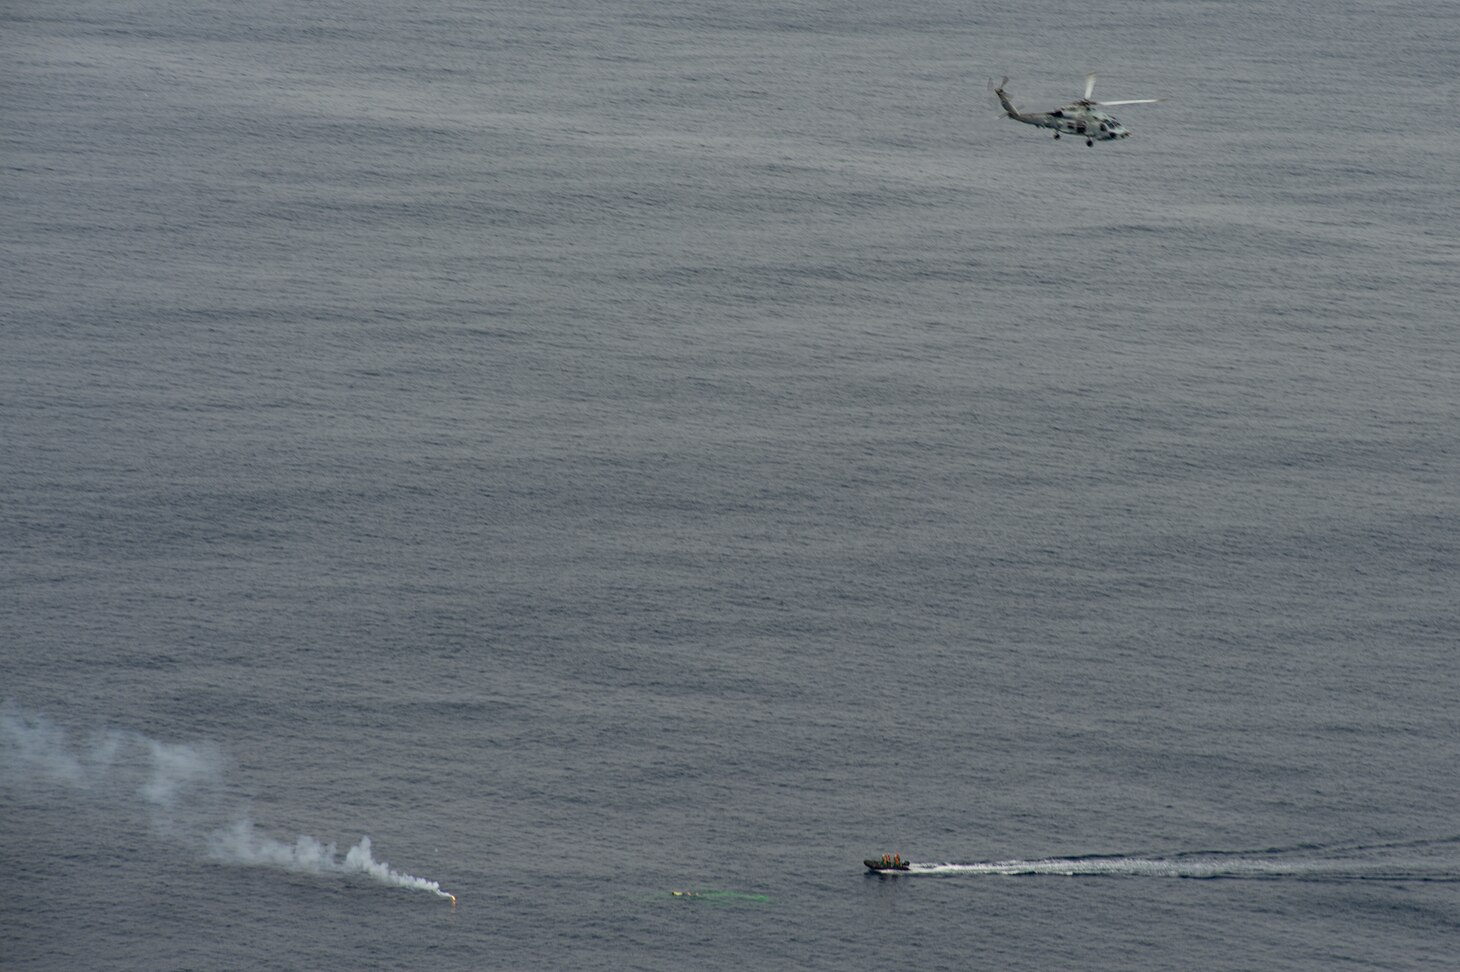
{"type": "Point", "coordinates": [1089, 85]}
{"type": "Point", "coordinates": [1134, 101]}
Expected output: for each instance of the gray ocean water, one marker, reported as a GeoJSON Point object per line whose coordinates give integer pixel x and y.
{"type": "Point", "coordinates": [559, 454]}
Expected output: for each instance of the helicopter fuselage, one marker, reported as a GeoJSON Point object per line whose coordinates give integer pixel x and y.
{"type": "Point", "coordinates": [1077, 120]}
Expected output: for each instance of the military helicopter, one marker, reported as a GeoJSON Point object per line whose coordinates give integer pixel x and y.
{"type": "Point", "coordinates": [1081, 118]}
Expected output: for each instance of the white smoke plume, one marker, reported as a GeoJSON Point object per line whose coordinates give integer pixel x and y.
{"type": "Point", "coordinates": [239, 844]}
{"type": "Point", "coordinates": [178, 788]}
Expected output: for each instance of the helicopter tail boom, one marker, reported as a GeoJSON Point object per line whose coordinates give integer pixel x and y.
{"type": "Point", "coordinates": [1004, 100]}
{"type": "Point", "coordinates": [1013, 112]}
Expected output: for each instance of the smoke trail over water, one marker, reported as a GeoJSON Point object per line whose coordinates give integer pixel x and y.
{"type": "Point", "coordinates": [239, 844]}
{"type": "Point", "coordinates": [178, 789]}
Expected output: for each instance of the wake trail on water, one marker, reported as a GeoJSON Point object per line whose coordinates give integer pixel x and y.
{"type": "Point", "coordinates": [178, 790]}
{"type": "Point", "coordinates": [1423, 860]}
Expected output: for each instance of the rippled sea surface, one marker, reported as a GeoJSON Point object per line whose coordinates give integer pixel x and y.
{"type": "Point", "coordinates": [562, 454]}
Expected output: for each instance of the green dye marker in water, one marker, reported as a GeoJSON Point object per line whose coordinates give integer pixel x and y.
{"type": "Point", "coordinates": [722, 895]}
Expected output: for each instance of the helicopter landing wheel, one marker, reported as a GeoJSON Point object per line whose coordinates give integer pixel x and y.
{"type": "Point", "coordinates": [1056, 134]}
{"type": "Point", "coordinates": [1089, 142]}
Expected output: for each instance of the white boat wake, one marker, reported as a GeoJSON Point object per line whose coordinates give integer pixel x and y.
{"type": "Point", "coordinates": [1419, 860]}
